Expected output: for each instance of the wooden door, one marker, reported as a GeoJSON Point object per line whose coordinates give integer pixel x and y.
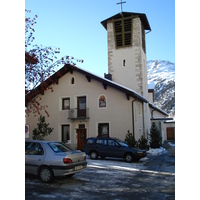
{"type": "Point", "coordinates": [170, 133]}
{"type": "Point", "coordinates": [81, 137]}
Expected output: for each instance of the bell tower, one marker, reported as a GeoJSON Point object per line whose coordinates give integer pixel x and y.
{"type": "Point", "coordinates": [127, 50]}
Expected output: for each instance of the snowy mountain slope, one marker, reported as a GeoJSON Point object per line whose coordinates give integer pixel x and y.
{"type": "Point", "coordinates": [161, 78]}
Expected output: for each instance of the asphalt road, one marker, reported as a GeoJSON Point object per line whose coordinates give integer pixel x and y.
{"type": "Point", "coordinates": [152, 178]}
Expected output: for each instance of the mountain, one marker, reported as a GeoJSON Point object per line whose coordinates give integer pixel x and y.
{"type": "Point", "coordinates": [161, 78]}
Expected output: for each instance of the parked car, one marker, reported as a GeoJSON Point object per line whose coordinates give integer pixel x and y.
{"type": "Point", "coordinates": [48, 159]}
{"type": "Point", "coordinates": [112, 147]}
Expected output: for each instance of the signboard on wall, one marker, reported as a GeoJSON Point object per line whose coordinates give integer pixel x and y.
{"type": "Point", "coordinates": [27, 129]}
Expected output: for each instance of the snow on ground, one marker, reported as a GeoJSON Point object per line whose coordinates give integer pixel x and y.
{"type": "Point", "coordinates": [171, 145]}
{"type": "Point", "coordinates": [156, 151]}
{"type": "Point", "coordinates": [120, 163]}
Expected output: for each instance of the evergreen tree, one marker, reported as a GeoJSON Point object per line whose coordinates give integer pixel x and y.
{"type": "Point", "coordinates": [130, 139]}
{"type": "Point", "coordinates": [142, 143]}
{"type": "Point", "coordinates": [155, 136]}
{"type": "Point", "coordinates": [42, 129]}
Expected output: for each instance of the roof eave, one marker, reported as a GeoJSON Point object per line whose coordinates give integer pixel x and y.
{"type": "Point", "coordinates": [157, 109]}
{"type": "Point", "coordinates": [142, 16]}
{"type": "Point", "coordinates": [69, 68]}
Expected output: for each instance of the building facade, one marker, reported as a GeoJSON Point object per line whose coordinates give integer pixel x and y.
{"type": "Point", "coordinates": [85, 105]}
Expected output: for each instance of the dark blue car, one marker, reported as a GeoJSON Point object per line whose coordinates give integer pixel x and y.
{"type": "Point", "coordinates": [112, 147]}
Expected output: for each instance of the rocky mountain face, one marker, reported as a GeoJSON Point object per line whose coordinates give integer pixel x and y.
{"type": "Point", "coordinates": [161, 78]}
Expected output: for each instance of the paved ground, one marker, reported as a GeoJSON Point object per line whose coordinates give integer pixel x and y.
{"type": "Point", "coordinates": [150, 178]}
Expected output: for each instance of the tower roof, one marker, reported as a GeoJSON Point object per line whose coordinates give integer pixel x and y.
{"type": "Point", "coordinates": [142, 17]}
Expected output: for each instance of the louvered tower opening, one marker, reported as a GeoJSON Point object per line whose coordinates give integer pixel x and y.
{"type": "Point", "coordinates": [123, 32]}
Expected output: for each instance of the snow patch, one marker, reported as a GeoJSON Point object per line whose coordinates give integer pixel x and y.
{"type": "Point", "coordinates": [171, 145]}
{"type": "Point", "coordinates": [156, 151]}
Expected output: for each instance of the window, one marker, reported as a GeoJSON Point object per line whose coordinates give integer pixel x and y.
{"type": "Point", "coordinates": [90, 141]}
{"type": "Point", "coordinates": [59, 147]}
{"type": "Point", "coordinates": [65, 133]}
{"type": "Point", "coordinates": [33, 148]}
{"type": "Point", "coordinates": [103, 130]}
{"type": "Point", "coordinates": [111, 143]}
{"type": "Point", "coordinates": [66, 104]}
{"type": "Point", "coordinates": [72, 80]}
{"type": "Point", "coordinates": [101, 142]}
{"type": "Point", "coordinates": [123, 32]}
{"type": "Point", "coordinates": [81, 101]}
{"type": "Point", "coordinates": [124, 63]}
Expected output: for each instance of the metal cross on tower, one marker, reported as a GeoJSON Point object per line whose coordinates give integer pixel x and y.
{"type": "Point", "coordinates": [121, 4]}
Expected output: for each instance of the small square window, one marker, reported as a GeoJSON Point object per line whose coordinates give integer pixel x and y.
{"type": "Point", "coordinates": [66, 104]}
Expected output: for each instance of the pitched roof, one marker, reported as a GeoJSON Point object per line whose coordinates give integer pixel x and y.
{"type": "Point", "coordinates": [157, 109]}
{"type": "Point", "coordinates": [142, 17]}
{"type": "Point", "coordinates": [67, 68]}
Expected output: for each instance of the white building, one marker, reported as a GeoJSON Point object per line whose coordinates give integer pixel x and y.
{"type": "Point", "coordinates": [86, 105]}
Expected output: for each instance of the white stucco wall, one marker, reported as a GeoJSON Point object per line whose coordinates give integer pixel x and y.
{"type": "Point", "coordinates": [118, 112]}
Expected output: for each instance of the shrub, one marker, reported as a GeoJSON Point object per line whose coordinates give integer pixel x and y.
{"type": "Point", "coordinates": [130, 139]}
{"type": "Point", "coordinates": [42, 129]}
{"type": "Point", "coordinates": [142, 143]}
{"type": "Point", "coordinates": [155, 137]}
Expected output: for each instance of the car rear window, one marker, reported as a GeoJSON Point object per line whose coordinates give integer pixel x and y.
{"type": "Point", "coordinates": [90, 141]}
{"type": "Point", "coordinates": [59, 147]}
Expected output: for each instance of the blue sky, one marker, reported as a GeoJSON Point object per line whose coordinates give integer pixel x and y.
{"type": "Point", "coordinates": [74, 26]}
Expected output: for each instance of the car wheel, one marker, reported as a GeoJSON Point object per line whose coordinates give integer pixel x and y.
{"type": "Point", "coordinates": [93, 155]}
{"type": "Point", "coordinates": [46, 174]}
{"type": "Point", "coordinates": [129, 157]}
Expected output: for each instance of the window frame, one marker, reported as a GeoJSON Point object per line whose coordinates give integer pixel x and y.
{"type": "Point", "coordinates": [100, 125]}
{"type": "Point", "coordinates": [67, 137]}
{"type": "Point", "coordinates": [63, 104]}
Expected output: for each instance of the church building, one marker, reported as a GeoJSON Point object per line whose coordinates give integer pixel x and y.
{"type": "Point", "coordinates": [85, 105]}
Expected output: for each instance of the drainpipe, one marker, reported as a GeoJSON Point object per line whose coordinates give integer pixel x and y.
{"type": "Point", "coordinates": [133, 117]}
{"type": "Point", "coordinates": [143, 118]}
{"type": "Point", "coordinates": [152, 113]}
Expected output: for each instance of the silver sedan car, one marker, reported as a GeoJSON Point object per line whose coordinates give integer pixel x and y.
{"type": "Point", "coordinates": [49, 158]}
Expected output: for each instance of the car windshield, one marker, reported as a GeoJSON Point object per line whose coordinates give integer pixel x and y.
{"type": "Point", "coordinates": [59, 147]}
{"type": "Point", "coordinates": [122, 143]}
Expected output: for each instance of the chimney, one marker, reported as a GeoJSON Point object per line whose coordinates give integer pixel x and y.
{"type": "Point", "coordinates": [108, 76]}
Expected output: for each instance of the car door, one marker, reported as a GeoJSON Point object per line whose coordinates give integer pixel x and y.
{"type": "Point", "coordinates": [113, 149]}
{"type": "Point", "coordinates": [101, 147]}
{"type": "Point", "coordinates": [34, 156]}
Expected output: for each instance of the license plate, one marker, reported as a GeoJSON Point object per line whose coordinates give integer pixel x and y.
{"type": "Point", "coordinates": [78, 167]}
